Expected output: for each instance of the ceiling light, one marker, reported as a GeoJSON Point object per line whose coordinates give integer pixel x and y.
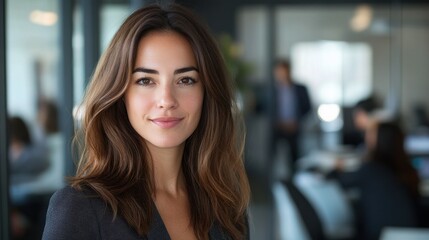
{"type": "Point", "coordinates": [362, 18]}
{"type": "Point", "coordinates": [43, 18]}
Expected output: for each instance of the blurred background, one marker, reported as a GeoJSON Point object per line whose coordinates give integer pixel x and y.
{"type": "Point", "coordinates": [334, 95]}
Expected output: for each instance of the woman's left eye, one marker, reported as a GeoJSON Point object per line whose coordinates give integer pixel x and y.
{"type": "Point", "coordinates": [187, 81]}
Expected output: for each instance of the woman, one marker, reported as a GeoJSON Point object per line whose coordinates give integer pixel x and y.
{"type": "Point", "coordinates": [387, 183]}
{"type": "Point", "coordinates": [163, 152]}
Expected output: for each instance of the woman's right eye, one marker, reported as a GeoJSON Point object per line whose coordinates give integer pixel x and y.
{"type": "Point", "coordinates": [144, 81]}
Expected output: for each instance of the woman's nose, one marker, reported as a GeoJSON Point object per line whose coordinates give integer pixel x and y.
{"type": "Point", "coordinates": [167, 99]}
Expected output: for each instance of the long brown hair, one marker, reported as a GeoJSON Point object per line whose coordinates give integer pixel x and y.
{"type": "Point", "coordinates": [389, 150]}
{"type": "Point", "coordinates": [115, 165]}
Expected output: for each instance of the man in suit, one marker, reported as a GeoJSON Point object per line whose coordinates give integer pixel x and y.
{"type": "Point", "coordinates": [292, 104]}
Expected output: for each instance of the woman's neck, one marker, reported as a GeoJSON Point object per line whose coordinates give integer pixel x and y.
{"type": "Point", "coordinates": [167, 169]}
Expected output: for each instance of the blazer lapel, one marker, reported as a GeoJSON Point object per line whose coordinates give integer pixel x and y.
{"type": "Point", "coordinates": [158, 231]}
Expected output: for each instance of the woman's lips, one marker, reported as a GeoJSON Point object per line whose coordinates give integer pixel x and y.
{"type": "Point", "coordinates": [166, 122]}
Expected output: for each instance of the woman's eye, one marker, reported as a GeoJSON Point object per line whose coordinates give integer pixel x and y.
{"type": "Point", "coordinates": [144, 81]}
{"type": "Point", "coordinates": [187, 81]}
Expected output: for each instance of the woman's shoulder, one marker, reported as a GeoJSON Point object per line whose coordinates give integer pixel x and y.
{"type": "Point", "coordinates": [71, 212]}
{"type": "Point", "coordinates": [77, 202]}
{"type": "Point", "coordinates": [373, 167]}
{"type": "Point", "coordinates": [72, 197]}
{"type": "Point", "coordinates": [82, 214]}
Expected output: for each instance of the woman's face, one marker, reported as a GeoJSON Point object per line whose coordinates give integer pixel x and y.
{"type": "Point", "coordinates": [165, 96]}
{"type": "Point", "coordinates": [371, 135]}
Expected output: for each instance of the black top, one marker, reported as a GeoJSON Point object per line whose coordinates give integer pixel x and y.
{"type": "Point", "coordinates": [384, 200]}
{"type": "Point", "coordinates": [79, 215]}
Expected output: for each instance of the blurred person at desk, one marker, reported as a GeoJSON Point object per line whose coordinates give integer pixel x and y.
{"type": "Point", "coordinates": [363, 111]}
{"type": "Point", "coordinates": [363, 116]}
{"type": "Point", "coordinates": [28, 161]}
{"type": "Point", "coordinates": [292, 104]}
{"type": "Point", "coordinates": [386, 181]}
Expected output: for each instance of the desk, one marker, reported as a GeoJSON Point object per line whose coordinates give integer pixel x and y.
{"type": "Point", "coordinates": [324, 161]}
{"type": "Point", "coordinates": [392, 233]}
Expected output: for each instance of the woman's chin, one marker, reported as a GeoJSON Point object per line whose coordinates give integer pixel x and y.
{"type": "Point", "coordinates": [165, 143]}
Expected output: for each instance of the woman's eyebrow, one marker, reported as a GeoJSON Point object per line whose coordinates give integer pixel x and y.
{"type": "Point", "coordinates": [185, 69]}
{"type": "Point", "coordinates": [177, 71]}
{"type": "Point", "coordinates": [145, 70]}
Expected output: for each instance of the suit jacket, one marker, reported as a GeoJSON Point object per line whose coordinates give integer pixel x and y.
{"type": "Point", "coordinates": [303, 104]}
{"type": "Point", "coordinates": [303, 100]}
{"type": "Point", "coordinates": [79, 215]}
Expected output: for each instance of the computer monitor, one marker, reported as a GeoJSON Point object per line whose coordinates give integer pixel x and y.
{"type": "Point", "coordinates": [417, 147]}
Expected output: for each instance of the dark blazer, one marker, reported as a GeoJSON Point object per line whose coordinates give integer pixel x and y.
{"type": "Point", "coordinates": [80, 215]}
{"type": "Point", "coordinates": [303, 104]}
{"type": "Point", "coordinates": [303, 99]}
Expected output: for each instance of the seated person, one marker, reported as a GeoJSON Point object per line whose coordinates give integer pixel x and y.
{"type": "Point", "coordinates": [27, 159]}
{"type": "Point", "coordinates": [362, 117]}
{"type": "Point", "coordinates": [386, 181]}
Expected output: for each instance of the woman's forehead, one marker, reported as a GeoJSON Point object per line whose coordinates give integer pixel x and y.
{"type": "Point", "coordinates": [161, 49]}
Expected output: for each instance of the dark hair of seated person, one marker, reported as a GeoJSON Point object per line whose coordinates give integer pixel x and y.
{"type": "Point", "coordinates": [367, 105]}
{"type": "Point", "coordinates": [19, 130]}
{"type": "Point", "coordinates": [389, 151]}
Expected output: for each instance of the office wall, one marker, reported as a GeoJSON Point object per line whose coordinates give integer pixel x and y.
{"type": "Point", "coordinates": [252, 36]}
{"type": "Point", "coordinates": [313, 23]}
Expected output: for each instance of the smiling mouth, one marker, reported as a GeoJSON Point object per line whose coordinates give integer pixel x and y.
{"type": "Point", "coordinates": [166, 122]}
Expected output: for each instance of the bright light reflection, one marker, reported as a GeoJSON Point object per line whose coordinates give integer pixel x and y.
{"type": "Point", "coordinates": [328, 112]}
